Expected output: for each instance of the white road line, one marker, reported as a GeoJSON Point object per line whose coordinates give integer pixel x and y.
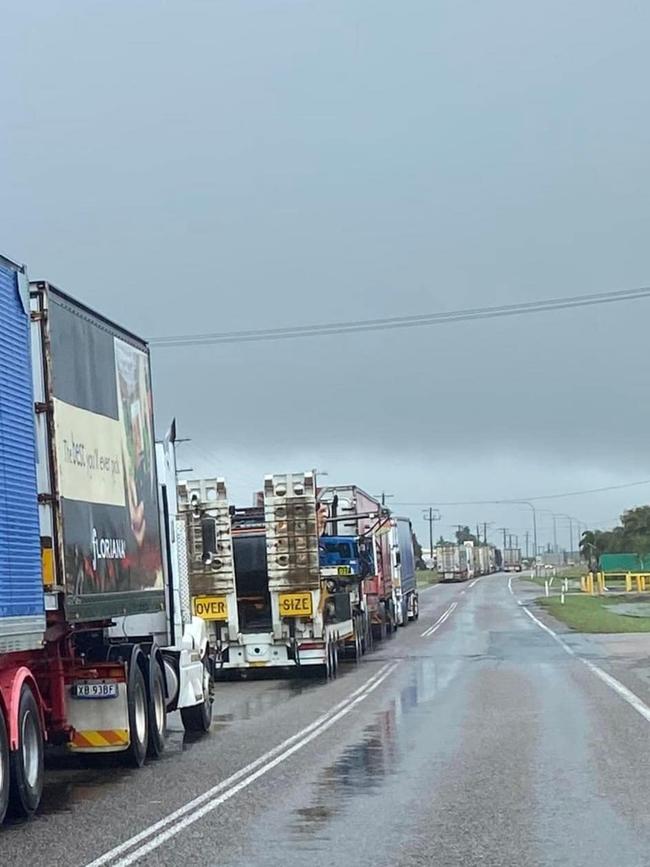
{"type": "Point", "coordinates": [626, 694]}
{"type": "Point", "coordinates": [429, 632]}
{"type": "Point", "coordinates": [193, 810]}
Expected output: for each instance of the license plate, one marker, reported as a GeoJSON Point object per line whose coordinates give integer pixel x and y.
{"type": "Point", "coordinates": [344, 570]}
{"type": "Point", "coordinates": [94, 689]}
{"type": "Point", "coordinates": [295, 604]}
{"type": "Point", "coordinates": [210, 607]}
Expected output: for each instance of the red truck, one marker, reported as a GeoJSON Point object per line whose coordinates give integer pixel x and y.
{"type": "Point", "coordinates": [353, 512]}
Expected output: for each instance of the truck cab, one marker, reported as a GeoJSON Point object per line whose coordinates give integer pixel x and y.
{"type": "Point", "coordinates": [341, 555]}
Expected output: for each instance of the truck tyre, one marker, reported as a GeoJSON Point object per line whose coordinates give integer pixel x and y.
{"type": "Point", "coordinates": [138, 716]}
{"type": "Point", "coordinates": [4, 767]}
{"type": "Point", "coordinates": [157, 710]}
{"type": "Point", "coordinates": [416, 608]}
{"type": "Point", "coordinates": [198, 718]}
{"type": "Point", "coordinates": [370, 638]}
{"type": "Point", "coordinates": [358, 640]}
{"type": "Point", "coordinates": [26, 763]}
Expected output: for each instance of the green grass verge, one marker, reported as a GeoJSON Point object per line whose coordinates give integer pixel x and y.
{"type": "Point", "coordinates": [590, 614]}
{"type": "Point", "coordinates": [426, 577]}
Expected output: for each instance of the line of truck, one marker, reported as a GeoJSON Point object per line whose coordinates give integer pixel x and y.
{"type": "Point", "coordinates": [124, 594]}
{"type": "Point", "coordinates": [460, 561]}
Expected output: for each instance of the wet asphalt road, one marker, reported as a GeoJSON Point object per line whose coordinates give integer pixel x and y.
{"type": "Point", "coordinates": [481, 743]}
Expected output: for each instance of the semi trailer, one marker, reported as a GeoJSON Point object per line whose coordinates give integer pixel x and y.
{"type": "Point", "coordinates": [404, 580]}
{"type": "Point", "coordinates": [453, 562]}
{"type": "Point", "coordinates": [257, 578]}
{"type": "Point", "coordinates": [512, 560]}
{"type": "Point", "coordinates": [94, 652]}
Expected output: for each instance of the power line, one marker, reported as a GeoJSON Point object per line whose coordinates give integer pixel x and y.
{"type": "Point", "coordinates": [507, 502]}
{"type": "Point", "coordinates": [392, 322]}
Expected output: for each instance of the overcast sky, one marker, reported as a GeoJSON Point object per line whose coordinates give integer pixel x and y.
{"type": "Point", "coordinates": [197, 165]}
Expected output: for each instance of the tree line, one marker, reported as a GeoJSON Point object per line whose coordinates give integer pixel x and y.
{"type": "Point", "coordinates": [631, 536]}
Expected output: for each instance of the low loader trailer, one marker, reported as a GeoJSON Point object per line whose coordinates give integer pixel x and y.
{"type": "Point", "coordinates": [256, 578]}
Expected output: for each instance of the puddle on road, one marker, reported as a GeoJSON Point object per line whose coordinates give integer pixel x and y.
{"type": "Point", "coordinates": [364, 768]}
{"type": "Point", "coordinates": [72, 780]}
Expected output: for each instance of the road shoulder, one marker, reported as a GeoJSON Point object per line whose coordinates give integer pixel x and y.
{"type": "Point", "coordinates": [625, 656]}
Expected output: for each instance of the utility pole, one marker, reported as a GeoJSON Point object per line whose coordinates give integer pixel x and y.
{"type": "Point", "coordinates": [526, 535]}
{"type": "Point", "coordinates": [503, 530]}
{"type": "Point", "coordinates": [431, 515]}
{"type": "Point", "coordinates": [384, 496]}
{"type": "Point", "coordinates": [485, 532]}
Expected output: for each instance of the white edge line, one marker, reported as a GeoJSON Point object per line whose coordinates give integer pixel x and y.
{"type": "Point", "coordinates": [428, 632]}
{"type": "Point", "coordinates": [185, 822]}
{"type": "Point", "coordinates": [237, 775]}
{"type": "Point", "coordinates": [626, 694]}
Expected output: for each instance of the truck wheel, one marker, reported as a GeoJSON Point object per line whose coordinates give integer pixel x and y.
{"type": "Point", "coordinates": [370, 638]}
{"type": "Point", "coordinates": [416, 608]}
{"type": "Point", "coordinates": [335, 658]}
{"type": "Point", "coordinates": [358, 640]}
{"type": "Point", "coordinates": [138, 716]}
{"type": "Point", "coordinates": [4, 768]}
{"type": "Point", "coordinates": [26, 779]}
{"type": "Point", "coordinates": [198, 718]}
{"type": "Point", "coordinates": [157, 711]}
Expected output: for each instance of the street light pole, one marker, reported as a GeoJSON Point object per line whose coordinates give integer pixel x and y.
{"type": "Point", "coordinates": [570, 520]}
{"type": "Point", "coordinates": [532, 508]}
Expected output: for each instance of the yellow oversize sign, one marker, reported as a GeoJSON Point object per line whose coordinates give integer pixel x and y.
{"type": "Point", "coordinates": [210, 607]}
{"type": "Point", "coordinates": [295, 604]}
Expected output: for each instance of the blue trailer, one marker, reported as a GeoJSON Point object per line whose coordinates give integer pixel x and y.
{"type": "Point", "coordinates": [22, 619]}
{"type": "Point", "coordinates": [406, 601]}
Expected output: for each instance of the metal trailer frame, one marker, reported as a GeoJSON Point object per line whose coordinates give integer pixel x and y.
{"type": "Point", "coordinates": [306, 636]}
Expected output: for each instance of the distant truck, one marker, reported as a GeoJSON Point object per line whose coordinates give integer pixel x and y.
{"type": "Point", "coordinates": [512, 560]}
{"type": "Point", "coordinates": [407, 604]}
{"type": "Point", "coordinates": [453, 562]}
{"type": "Point", "coordinates": [93, 651]}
